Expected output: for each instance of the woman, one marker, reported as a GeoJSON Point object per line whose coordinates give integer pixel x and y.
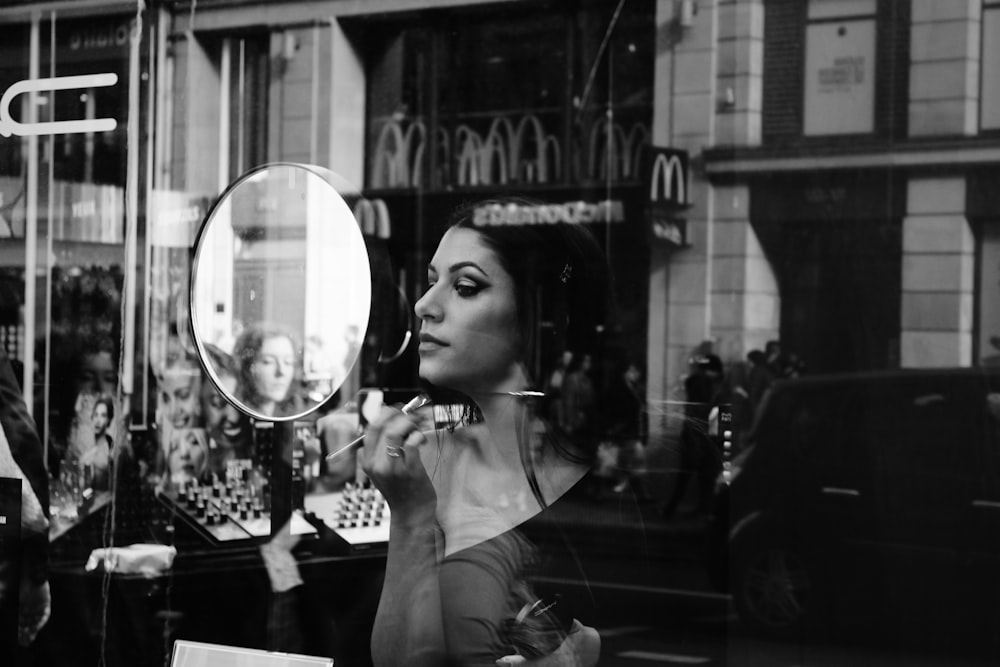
{"type": "Point", "coordinates": [268, 362]}
{"type": "Point", "coordinates": [228, 429]}
{"type": "Point", "coordinates": [179, 384]}
{"type": "Point", "coordinates": [98, 457]}
{"type": "Point", "coordinates": [467, 503]}
{"type": "Point", "coordinates": [186, 456]}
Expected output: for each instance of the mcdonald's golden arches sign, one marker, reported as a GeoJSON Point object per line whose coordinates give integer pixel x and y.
{"type": "Point", "coordinates": [667, 189]}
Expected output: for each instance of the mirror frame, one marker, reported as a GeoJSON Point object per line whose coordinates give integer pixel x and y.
{"type": "Point", "coordinates": [343, 189]}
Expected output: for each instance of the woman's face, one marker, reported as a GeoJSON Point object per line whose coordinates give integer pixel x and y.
{"type": "Point", "coordinates": [187, 456]}
{"type": "Point", "coordinates": [100, 418]}
{"type": "Point", "coordinates": [222, 420]}
{"type": "Point", "coordinates": [179, 395]}
{"type": "Point", "coordinates": [469, 338]}
{"type": "Point", "coordinates": [272, 369]}
{"type": "Point", "coordinates": [98, 374]}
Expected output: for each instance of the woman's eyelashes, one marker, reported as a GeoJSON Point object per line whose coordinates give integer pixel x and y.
{"type": "Point", "coordinates": [467, 288]}
{"type": "Point", "coordinates": [464, 287]}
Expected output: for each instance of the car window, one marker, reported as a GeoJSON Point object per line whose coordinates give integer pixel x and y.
{"type": "Point", "coordinates": [929, 430]}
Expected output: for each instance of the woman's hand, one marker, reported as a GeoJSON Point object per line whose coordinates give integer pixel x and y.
{"type": "Point", "coordinates": [391, 459]}
{"type": "Point", "coordinates": [581, 648]}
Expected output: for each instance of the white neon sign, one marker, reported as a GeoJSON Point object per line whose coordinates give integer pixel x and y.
{"type": "Point", "coordinates": [9, 126]}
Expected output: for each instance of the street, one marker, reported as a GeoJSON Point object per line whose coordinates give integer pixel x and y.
{"type": "Point", "coordinates": [667, 612]}
{"type": "Point", "coordinates": [688, 630]}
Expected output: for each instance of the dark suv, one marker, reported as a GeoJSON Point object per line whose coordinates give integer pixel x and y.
{"type": "Point", "coordinates": [863, 499]}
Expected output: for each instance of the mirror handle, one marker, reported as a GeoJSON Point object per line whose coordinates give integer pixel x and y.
{"type": "Point", "coordinates": [398, 353]}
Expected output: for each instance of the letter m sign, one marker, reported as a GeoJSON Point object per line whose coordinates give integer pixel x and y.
{"type": "Point", "coordinates": [667, 176]}
{"type": "Point", "coordinates": [667, 191]}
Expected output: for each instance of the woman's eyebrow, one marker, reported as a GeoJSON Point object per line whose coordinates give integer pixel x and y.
{"type": "Point", "coordinates": [460, 265]}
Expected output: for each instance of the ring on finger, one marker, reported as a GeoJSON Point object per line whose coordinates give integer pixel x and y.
{"type": "Point", "coordinates": [394, 452]}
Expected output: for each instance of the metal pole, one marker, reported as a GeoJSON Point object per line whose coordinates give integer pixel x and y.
{"type": "Point", "coordinates": [31, 224]}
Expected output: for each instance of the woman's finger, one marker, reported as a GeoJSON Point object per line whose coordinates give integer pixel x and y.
{"type": "Point", "coordinates": [375, 429]}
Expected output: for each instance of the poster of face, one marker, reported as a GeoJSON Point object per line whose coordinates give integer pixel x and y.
{"type": "Point", "coordinates": [98, 449]}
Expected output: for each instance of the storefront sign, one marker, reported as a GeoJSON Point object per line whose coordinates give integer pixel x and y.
{"type": "Point", "coordinates": [666, 182]}
{"type": "Point", "coordinates": [176, 216]}
{"type": "Point", "coordinates": [87, 212]}
{"type": "Point", "coordinates": [373, 218]}
{"type": "Point", "coordinates": [840, 78]}
{"type": "Point", "coordinates": [667, 175]}
{"type": "Point", "coordinates": [575, 212]}
{"type": "Point", "coordinates": [99, 37]}
{"type": "Point", "coordinates": [673, 232]}
{"type": "Point", "coordinates": [9, 126]}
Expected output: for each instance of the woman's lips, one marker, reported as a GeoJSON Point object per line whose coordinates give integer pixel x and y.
{"type": "Point", "coordinates": [429, 342]}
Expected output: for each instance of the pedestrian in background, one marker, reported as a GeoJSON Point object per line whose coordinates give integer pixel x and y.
{"type": "Point", "coordinates": [21, 457]}
{"type": "Point", "coordinates": [699, 457]}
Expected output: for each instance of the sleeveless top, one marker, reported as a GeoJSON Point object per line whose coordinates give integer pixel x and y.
{"type": "Point", "coordinates": [485, 585]}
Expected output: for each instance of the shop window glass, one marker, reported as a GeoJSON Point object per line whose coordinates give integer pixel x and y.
{"type": "Point", "coordinates": [839, 90]}
{"type": "Point", "coordinates": [62, 264]}
{"type": "Point", "coordinates": [511, 99]}
{"type": "Point", "coordinates": [991, 67]}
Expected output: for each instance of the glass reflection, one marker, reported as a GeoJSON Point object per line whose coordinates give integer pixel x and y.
{"type": "Point", "coordinates": [281, 291]}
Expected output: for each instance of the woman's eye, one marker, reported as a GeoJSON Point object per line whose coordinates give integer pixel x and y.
{"type": "Point", "coordinates": [466, 289]}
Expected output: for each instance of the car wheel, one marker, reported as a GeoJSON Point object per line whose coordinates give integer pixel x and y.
{"type": "Point", "coordinates": [773, 589]}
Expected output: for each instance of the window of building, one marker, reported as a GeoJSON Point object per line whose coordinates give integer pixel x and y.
{"type": "Point", "coordinates": [990, 110]}
{"type": "Point", "coordinates": [249, 74]}
{"type": "Point", "coordinates": [839, 90]}
{"type": "Point", "coordinates": [468, 101]}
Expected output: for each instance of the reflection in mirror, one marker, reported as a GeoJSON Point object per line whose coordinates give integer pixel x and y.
{"type": "Point", "coordinates": [280, 291]}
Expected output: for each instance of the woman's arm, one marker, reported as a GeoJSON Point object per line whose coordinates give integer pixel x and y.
{"type": "Point", "coordinates": [408, 625]}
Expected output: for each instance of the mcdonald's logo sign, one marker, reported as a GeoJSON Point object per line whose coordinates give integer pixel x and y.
{"type": "Point", "coordinates": [666, 181]}
{"type": "Point", "coordinates": [373, 218]}
{"type": "Point", "coordinates": [667, 177]}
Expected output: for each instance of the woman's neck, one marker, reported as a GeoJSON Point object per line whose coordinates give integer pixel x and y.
{"type": "Point", "coordinates": [506, 422]}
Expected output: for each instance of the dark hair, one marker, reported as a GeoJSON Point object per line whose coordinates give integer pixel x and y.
{"type": "Point", "coordinates": [245, 351]}
{"type": "Point", "coordinates": [556, 264]}
{"type": "Point", "coordinates": [108, 404]}
{"type": "Point", "coordinates": [222, 363]}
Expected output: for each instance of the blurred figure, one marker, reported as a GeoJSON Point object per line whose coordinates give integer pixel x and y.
{"type": "Point", "coordinates": [554, 389]}
{"type": "Point", "coordinates": [579, 400]}
{"type": "Point", "coordinates": [268, 362]}
{"type": "Point", "coordinates": [773, 357]}
{"type": "Point", "coordinates": [625, 407]}
{"type": "Point", "coordinates": [698, 457]}
{"type": "Point", "coordinates": [21, 457]}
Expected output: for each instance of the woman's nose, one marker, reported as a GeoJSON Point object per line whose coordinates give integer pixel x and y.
{"type": "Point", "coordinates": [427, 307]}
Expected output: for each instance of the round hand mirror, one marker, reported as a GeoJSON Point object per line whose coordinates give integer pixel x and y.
{"type": "Point", "coordinates": [281, 290]}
